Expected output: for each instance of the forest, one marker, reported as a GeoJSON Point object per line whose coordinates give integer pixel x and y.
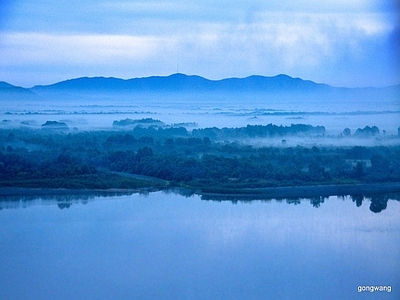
{"type": "Point", "coordinates": [208, 160]}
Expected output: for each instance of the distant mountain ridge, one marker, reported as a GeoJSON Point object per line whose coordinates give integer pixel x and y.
{"type": "Point", "coordinates": [186, 83]}
{"type": "Point", "coordinates": [11, 91]}
{"type": "Point", "coordinates": [182, 82]}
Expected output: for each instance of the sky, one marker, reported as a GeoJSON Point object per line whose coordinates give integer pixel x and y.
{"type": "Point", "coordinates": [350, 43]}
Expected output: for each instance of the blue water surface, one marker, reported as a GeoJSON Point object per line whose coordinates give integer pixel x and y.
{"type": "Point", "coordinates": [167, 246]}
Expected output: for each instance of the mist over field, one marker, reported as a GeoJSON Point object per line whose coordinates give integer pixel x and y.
{"type": "Point", "coordinates": [196, 102]}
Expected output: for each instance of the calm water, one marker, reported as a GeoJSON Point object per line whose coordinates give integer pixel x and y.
{"type": "Point", "coordinates": [166, 246]}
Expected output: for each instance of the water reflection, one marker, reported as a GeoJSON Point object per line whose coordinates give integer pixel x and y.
{"type": "Point", "coordinates": [377, 202]}
{"type": "Point", "coordinates": [54, 197]}
{"type": "Point", "coordinates": [167, 246]}
{"type": "Point", "coordinates": [358, 199]}
{"type": "Point", "coordinates": [316, 202]}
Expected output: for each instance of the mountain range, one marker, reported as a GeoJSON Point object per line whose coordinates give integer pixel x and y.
{"type": "Point", "coordinates": [180, 82]}
{"type": "Point", "coordinates": [7, 89]}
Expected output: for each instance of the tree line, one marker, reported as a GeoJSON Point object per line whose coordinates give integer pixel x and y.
{"type": "Point", "coordinates": [174, 157]}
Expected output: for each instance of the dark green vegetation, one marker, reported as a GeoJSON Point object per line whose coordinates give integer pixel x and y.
{"type": "Point", "coordinates": [165, 157]}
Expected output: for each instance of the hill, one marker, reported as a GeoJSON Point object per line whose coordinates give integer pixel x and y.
{"type": "Point", "coordinates": [9, 91]}
{"type": "Point", "coordinates": [182, 82]}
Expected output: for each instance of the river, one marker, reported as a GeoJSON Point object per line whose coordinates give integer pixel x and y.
{"type": "Point", "coordinates": [164, 245]}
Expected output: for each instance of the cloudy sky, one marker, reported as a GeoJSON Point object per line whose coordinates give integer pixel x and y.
{"type": "Point", "coordinates": [339, 42]}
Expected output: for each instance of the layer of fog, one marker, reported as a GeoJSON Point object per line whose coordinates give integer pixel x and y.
{"type": "Point", "coordinates": [326, 141]}
{"type": "Point", "coordinates": [212, 110]}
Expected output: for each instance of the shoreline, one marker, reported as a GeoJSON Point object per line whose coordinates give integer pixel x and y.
{"type": "Point", "coordinates": [215, 193]}
{"type": "Point", "coordinates": [307, 191]}
{"type": "Point", "coordinates": [21, 191]}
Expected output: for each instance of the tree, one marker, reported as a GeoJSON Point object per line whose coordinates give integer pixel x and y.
{"type": "Point", "coordinates": [359, 170]}
{"type": "Point", "coordinates": [143, 152]}
{"type": "Point", "coordinates": [316, 171]}
{"type": "Point", "coordinates": [10, 137]}
{"type": "Point", "coordinates": [347, 132]}
{"type": "Point", "coordinates": [379, 163]}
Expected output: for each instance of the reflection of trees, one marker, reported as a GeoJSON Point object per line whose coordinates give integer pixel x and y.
{"type": "Point", "coordinates": [187, 193]}
{"type": "Point", "coordinates": [316, 202]}
{"type": "Point", "coordinates": [378, 203]}
{"type": "Point", "coordinates": [293, 201]}
{"type": "Point", "coordinates": [62, 200]}
{"type": "Point", "coordinates": [63, 205]}
{"type": "Point", "coordinates": [358, 199]}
